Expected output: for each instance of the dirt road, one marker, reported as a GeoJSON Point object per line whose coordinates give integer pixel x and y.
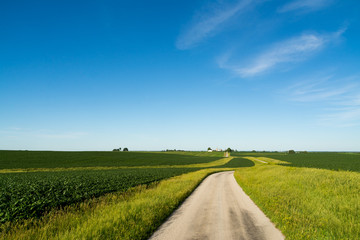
{"type": "Point", "coordinates": [218, 209]}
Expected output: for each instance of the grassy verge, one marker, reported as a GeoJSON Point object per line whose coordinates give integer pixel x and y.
{"type": "Point", "coordinates": [306, 203]}
{"type": "Point", "coordinates": [131, 215]}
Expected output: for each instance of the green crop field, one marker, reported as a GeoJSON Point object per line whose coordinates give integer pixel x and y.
{"type": "Point", "coordinates": [48, 159]}
{"type": "Point", "coordinates": [127, 195]}
{"type": "Point", "coordinates": [324, 160]}
{"type": "Point", "coordinates": [34, 184]}
{"type": "Point", "coordinates": [25, 195]}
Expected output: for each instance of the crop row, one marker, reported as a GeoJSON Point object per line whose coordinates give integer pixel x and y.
{"type": "Point", "coordinates": [27, 195]}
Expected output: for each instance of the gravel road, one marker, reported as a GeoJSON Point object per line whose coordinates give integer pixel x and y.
{"type": "Point", "coordinates": [218, 209]}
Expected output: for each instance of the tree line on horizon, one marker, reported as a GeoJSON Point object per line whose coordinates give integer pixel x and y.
{"type": "Point", "coordinates": [119, 150]}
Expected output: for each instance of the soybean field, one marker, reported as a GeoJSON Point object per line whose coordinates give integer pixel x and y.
{"type": "Point", "coordinates": [28, 195]}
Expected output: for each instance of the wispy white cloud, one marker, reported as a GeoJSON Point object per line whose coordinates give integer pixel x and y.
{"type": "Point", "coordinates": [339, 99]}
{"type": "Point", "coordinates": [346, 112]}
{"type": "Point", "coordinates": [318, 90]}
{"type": "Point", "coordinates": [291, 50]}
{"type": "Point", "coordinates": [304, 5]}
{"type": "Point", "coordinates": [205, 24]}
{"type": "Point", "coordinates": [341, 117]}
{"type": "Point", "coordinates": [295, 49]}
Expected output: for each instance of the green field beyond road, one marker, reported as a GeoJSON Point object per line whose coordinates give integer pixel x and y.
{"type": "Point", "coordinates": [323, 160]}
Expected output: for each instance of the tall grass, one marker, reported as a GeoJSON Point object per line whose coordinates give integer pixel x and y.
{"type": "Point", "coordinates": [306, 203]}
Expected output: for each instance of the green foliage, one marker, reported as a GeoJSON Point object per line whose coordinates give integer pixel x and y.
{"type": "Point", "coordinates": [25, 195]}
{"type": "Point", "coordinates": [291, 151]}
{"type": "Point", "coordinates": [229, 150]}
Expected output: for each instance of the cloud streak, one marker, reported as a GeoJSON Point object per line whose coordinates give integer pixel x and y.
{"type": "Point", "coordinates": [291, 50]}
{"type": "Point", "coordinates": [304, 5]}
{"type": "Point", "coordinates": [318, 91]}
{"type": "Point", "coordinates": [340, 101]}
{"type": "Point", "coordinates": [206, 24]}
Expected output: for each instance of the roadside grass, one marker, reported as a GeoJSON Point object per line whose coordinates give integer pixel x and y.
{"type": "Point", "coordinates": [306, 203]}
{"type": "Point", "coordinates": [135, 214]}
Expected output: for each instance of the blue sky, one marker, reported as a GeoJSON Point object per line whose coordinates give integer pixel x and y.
{"type": "Point", "coordinates": [152, 75]}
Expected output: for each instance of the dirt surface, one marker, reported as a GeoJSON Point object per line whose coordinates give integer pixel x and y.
{"type": "Point", "coordinates": [218, 209]}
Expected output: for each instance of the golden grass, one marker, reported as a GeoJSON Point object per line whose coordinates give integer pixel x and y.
{"type": "Point", "coordinates": [306, 203]}
{"type": "Point", "coordinates": [132, 215]}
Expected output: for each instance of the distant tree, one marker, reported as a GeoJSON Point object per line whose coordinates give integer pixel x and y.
{"type": "Point", "coordinates": [291, 152]}
{"type": "Point", "coordinates": [119, 149]}
{"type": "Point", "coordinates": [126, 150]}
{"type": "Point", "coordinates": [253, 151]}
{"type": "Point", "coordinates": [116, 150]}
{"type": "Point", "coordinates": [209, 148]}
{"type": "Point", "coordinates": [229, 150]}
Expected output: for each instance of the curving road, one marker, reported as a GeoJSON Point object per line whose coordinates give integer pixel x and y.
{"type": "Point", "coordinates": [218, 209]}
